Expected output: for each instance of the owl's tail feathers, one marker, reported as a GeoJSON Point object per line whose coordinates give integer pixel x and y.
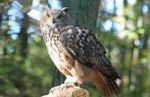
{"type": "Point", "coordinates": [107, 86]}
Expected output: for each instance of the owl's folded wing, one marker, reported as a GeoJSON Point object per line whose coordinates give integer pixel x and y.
{"type": "Point", "coordinates": [81, 45]}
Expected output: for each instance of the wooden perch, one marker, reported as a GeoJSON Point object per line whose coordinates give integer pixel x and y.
{"type": "Point", "coordinates": [69, 92]}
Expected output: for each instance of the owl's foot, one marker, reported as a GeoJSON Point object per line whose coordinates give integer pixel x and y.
{"type": "Point", "coordinates": [62, 87]}
{"type": "Point", "coordinates": [52, 90]}
{"type": "Point", "coordinates": [69, 82]}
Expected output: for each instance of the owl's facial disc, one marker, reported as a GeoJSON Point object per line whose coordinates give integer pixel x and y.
{"type": "Point", "coordinates": [54, 17]}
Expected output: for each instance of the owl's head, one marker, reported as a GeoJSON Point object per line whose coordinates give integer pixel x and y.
{"type": "Point", "coordinates": [53, 17]}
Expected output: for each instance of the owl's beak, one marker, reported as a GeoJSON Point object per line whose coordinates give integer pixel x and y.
{"type": "Point", "coordinates": [53, 21]}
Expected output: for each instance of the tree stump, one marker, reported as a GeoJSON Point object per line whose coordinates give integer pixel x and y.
{"type": "Point", "coordinates": [69, 92]}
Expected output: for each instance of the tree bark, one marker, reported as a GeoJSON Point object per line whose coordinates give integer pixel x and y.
{"type": "Point", "coordinates": [83, 12]}
{"type": "Point", "coordinates": [24, 36]}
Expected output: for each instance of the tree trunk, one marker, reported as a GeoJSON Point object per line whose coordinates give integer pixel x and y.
{"type": "Point", "coordinates": [83, 12]}
{"type": "Point", "coordinates": [24, 37]}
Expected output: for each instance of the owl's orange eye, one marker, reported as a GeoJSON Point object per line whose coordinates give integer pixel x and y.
{"type": "Point", "coordinates": [48, 15]}
{"type": "Point", "coordinates": [59, 16]}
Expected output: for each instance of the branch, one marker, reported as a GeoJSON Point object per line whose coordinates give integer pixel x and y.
{"type": "Point", "coordinates": [69, 92]}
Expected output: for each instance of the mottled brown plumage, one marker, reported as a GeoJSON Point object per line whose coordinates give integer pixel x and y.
{"type": "Point", "coordinates": [77, 53]}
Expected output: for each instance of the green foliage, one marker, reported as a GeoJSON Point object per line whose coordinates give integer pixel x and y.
{"type": "Point", "coordinates": [18, 79]}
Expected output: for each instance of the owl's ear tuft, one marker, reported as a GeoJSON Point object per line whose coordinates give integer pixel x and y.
{"type": "Point", "coordinates": [65, 9]}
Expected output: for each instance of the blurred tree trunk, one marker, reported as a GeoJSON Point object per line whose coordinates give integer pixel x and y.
{"type": "Point", "coordinates": [4, 32]}
{"type": "Point", "coordinates": [24, 37]}
{"type": "Point", "coordinates": [144, 50]}
{"type": "Point", "coordinates": [83, 12]}
{"type": "Point", "coordinates": [147, 23]}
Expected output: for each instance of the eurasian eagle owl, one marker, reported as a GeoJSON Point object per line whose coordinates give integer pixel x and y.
{"type": "Point", "coordinates": [77, 53]}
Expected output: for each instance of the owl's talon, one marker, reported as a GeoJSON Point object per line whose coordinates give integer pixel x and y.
{"type": "Point", "coordinates": [52, 90]}
{"type": "Point", "coordinates": [63, 86]}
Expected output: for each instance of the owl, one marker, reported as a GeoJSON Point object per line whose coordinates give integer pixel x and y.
{"type": "Point", "coordinates": [77, 53]}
